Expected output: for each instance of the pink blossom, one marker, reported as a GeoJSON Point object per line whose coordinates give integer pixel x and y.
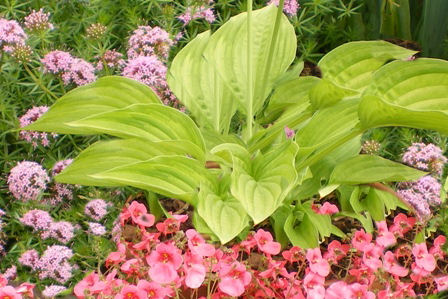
{"type": "Point", "coordinates": [139, 214]}
{"type": "Point", "coordinates": [234, 279]}
{"type": "Point", "coordinates": [423, 259]}
{"type": "Point", "coordinates": [327, 209]}
{"type": "Point", "coordinates": [314, 285]}
{"type": "Point", "coordinates": [442, 283]}
{"type": "Point", "coordinates": [371, 256]}
{"type": "Point", "coordinates": [57, 62]}
{"type": "Point", "coordinates": [290, 6]}
{"type": "Point", "coordinates": [294, 254]}
{"type": "Point", "coordinates": [385, 238]}
{"type": "Point", "coordinates": [361, 291]}
{"type": "Point", "coordinates": [52, 291]}
{"type": "Point", "coordinates": [265, 242]}
{"type": "Point", "coordinates": [194, 13]}
{"type": "Point", "coordinates": [336, 251]}
{"type": "Point", "coordinates": [131, 292]}
{"type": "Point", "coordinates": [148, 41]}
{"type": "Point", "coordinates": [195, 275]}
{"type": "Point", "coordinates": [80, 73]}
{"type": "Point", "coordinates": [172, 224]}
{"type": "Point", "coordinates": [9, 292]}
{"type": "Point", "coordinates": [436, 249]}
{"type": "Point", "coordinates": [33, 137]}
{"type": "Point", "coordinates": [38, 21]}
{"type": "Point", "coordinates": [90, 284]}
{"type": "Point", "coordinates": [96, 209]}
{"type": "Point", "coordinates": [361, 239]}
{"type": "Point", "coordinates": [164, 262]}
{"type": "Point", "coordinates": [11, 33]}
{"type": "Point", "coordinates": [402, 224]}
{"type": "Point", "coordinates": [153, 289]}
{"type": "Point", "coordinates": [317, 264]}
{"type": "Point", "coordinates": [289, 132]}
{"type": "Point", "coordinates": [392, 266]}
{"type": "Point", "coordinates": [197, 245]}
{"type": "Point", "coordinates": [338, 290]}
{"type": "Point", "coordinates": [27, 180]}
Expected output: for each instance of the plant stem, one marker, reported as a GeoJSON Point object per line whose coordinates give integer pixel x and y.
{"type": "Point", "coordinates": [250, 94]}
{"type": "Point", "coordinates": [38, 82]}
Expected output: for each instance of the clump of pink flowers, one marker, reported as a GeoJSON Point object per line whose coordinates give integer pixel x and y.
{"type": "Point", "coordinates": [110, 59]}
{"type": "Point", "coordinates": [11, 33]}
{"type": "Point", "coordinates": [38, 21]}
{"type": "Point", "coordinates": [27, 180]}
{"type": "Point", "coordinates": [163, 262]}
{"type": "Point", "coordinates": [96, 209]}
{"type": "Point", "coordinates": [149, 41]}
{"type": "Point", "coordinates": [60, 193]}
{"type": "Point", "coordinates": [198, 12]}
{"type": "Point", "coordinates": [35, 138]}
{"type": "Point", "coordinates": [290, 6]}
{"type": "Point", "coordinates": [426, 157]}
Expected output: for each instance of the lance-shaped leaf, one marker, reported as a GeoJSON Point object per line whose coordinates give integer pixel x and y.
{"type": "Point", "coordinates": [106, 94]}
{"type": "Point", "coordinates": [227, 51]}
{"type": "Point", "coordinates": [198, 86]}
{"type": "Point", "coordinates": [223, 214]}
{"type": "Point", "coordinates": [364, 169]}
{"type": "Point", "coordinates": [408, 93]}
{"type": "Point", "coordinates": [262, 184]}
{"type": "Point", "coordinates": [146, 121]}
{"type": "Point", "coordinates": [105, 155]}
{"type": "Point", "coordinates": [352, 65]}
{"type": "Point", "coordinates": [174, 176]}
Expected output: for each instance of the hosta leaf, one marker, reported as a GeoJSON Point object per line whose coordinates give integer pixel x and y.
{"type": "Point", "coordinates": [227, 51]}
{"type": "Point", "coordinates": [351, 65]}
{"type": "Point", "coordinates": [146, 121]}
{"type": "Point", "coordinates": [325, 94]}
{"type": "Point", "coordinates": [198, 86]}
{"type": "Point", "coordinates": [106, 94]}
{"type": "Point", "coordinates": [262, 184]}
{"type": "Point", "coordinates": [368, 168]}
{"type": "Point", "coordinates": [105, 155]}
{"type": "Point", "coordinates": [408, 93]}
{"type": "Point", "coordinates": [223, 214]}
{"type": "Point", "coordinates": [174, 176]}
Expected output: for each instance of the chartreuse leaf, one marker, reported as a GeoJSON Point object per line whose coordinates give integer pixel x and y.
{"type": "Point", "coordinates": [325, 94]}
{"type": "Point", "coordinates": [374, 204]}
{"type": "Point", "coordinates": [302, 232]}
{"type": "Point", "coordinates": [227, 51]}
{"type": "Point", "coordinates": [106, 94]}
{"type": "Point", "coordinates": [352, 65]}
{"type": "Point", "coordinates": [364, 169]}
{"type": "Point", "coordinates": [224, 214]}
{"type": "Point", "coordinates": [261, 184]}
{"type": "Point", "coordinates": [105, 155]}
{"type": "Point", "coordinates": [175, 176]}
{"type": "Point", "coordinates": [408, 93]}
{"type": "Point", "coordinates": [198, 86]}
{"type": "Point", "coordinates": [146, 121]}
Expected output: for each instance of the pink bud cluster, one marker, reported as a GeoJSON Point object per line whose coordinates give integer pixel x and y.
{"type": "Point", "coordinates": [290, 7]}
{"type": "Point", "coordinates": [60, 193]}
{"type": "Point", "coordinates": [27, 180]}
{"type": "Point", "coordinates": [427, 157]}
{"type": "Point", "coordinates": [148, 41]}
{"type": "Point", "coordinates": [71, 69]}
{"type": "Point", "coordinates": [38, 21]}
{"type": "Point", "coordinates": [198, 12]}
{"type": "Point", "coordinates": [111, 59]}
{"type": "Point", "coordinates": [96, 209]}
{"type": "Point", "coordinates": [164, 261]}
{"type": "Point", "coordinates": [35, 138]}
{"type": "Point", "coordinates": [11, 34]}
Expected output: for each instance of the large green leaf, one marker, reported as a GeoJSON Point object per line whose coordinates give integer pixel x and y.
{"type": "Point", "coordinates": [352, 65]}
{"type": "Point", "coordinates": [146, 121]}
{"type": "Point", "coordinates": [364, 169]}
{"type": "Point", "coordinates": [174, 176]}
{"type": "Point", "coordinates": [106, 94]}
{"type": "Point", "coordinates": [105, 155]}
{"type": "Point", "coordinates": [227, 51]}
{"type": "Point", "coordinates": [303, 234]}
{"type": "Point", "coordinates": [198, 86]}
{"type": "Point", "coordinates": [408, 93]}
{"type": "Point", "coordinates": [262, 184]}
{"type": "Point", "coordinates": [223, 214]}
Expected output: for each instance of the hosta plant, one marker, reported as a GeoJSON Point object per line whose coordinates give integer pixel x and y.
{"type": "Point", "coordinates": [228, 156]}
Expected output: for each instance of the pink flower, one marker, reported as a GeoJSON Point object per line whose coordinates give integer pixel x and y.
{"type": "Point", "coordinates": [131, 266]}
{"type": "Point", "coordinates": [371, 256]}
{"type": "Point", "coordinates": [91, 284]}
{"type": "Point", "coordinates": [164, 262]}
{"type": "Point", "coordinates": [336, 251]}
{"type": "Point", "coordinates": [361, 239]}
{"type": "Point", "coordinates": [327, 209]}
{"type": "Point", "coordinates": [195, 275]}
{"type": "Point", "coordinates": [385, 238]}
{"type": "Point", "coordinates": [442, 283]}
{"type": "Point", "coordinates": [197, 245]}
{"type": "Point", "coordinates": [436, 250]}
{"type": "Point", "coordinates": [361, 291]}
{"type": "Point", "coordinates": [392, 266]}
{"type": "Point", "coordinates": [402, 224]}
{"type": "Point", "coordinates": [423, 259]}
{"type": "Point", "coordinates": [9, 292]}
{"type": "Point", "coordinates": [131, 292]}
{"type": "Point", "coordinates": [234, 279]}
{"type": "Point", "coordinates": [317, 264]}
{"type": "Point", "coordinates": [172, 224]}
{"type": "Point", "coordinates": [265, 242]}
{"type": "Point", "coordinates": [153, 289]}
{"type": "Point", "coordinates": [338, 290]}
{"type": "Point", "coordinates": [139, 214]}
{"type": "Point", "coordinates": [294, 254]}
{"type": "Point", "coordinates": [314, 285]}
{"type": "Point", "coordinates": [289, 133]}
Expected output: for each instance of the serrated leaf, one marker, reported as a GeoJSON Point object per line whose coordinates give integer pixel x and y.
{"type": "Point", "coordinates": [198, 86]}
{"type": "Point", "coordinates": [151, 122]}
{"type": "Point", "coordinates": [352, 65]}
{"type": "Point", "coordinates": [106, 94]}
{"type": "Point", "coordinates": [105, 155]}
{"type": "Point", "coordinates": [227, 51]}
{"type": "Point", "coordinates": [263, 183]}
{"type": "Point", "coordinates": [364, 169]}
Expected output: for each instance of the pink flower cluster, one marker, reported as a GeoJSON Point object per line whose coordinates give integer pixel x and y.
{"type": "Point", "coordinates": [71, 69]}
{"type": "Point", "coordinates": [96, 209]}
{"type": "Point", "coordinates": [60, 193]}
{"type": "Point", "coordinates": [38, 21]}
{"type": "Point", "coordinates": [148, 41]}
{"type": "Point", "coordinates": [111, 59]}
{"type": "Point", "coordinates": [33, 137]}
{"type": "Point", "coordinates": [27, 180]}
{"type": "Point", "coordinates": [41, 222]}
{"type": "Point", "coordinates": [165, 262]}
{"type": "Point", "coordinates": [290, 7]}
{"type": "Point", "coordinates": [198, 12]}
{"type": "Point", "coordinates": [427, 157]}
{"type": "Point", "coordinates": [11, 34]}
{"type": "Point", "coordinates": [54, 262]}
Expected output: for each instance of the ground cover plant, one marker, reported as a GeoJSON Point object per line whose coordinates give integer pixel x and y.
{"type": "Point", "coordinates": [228, 143]}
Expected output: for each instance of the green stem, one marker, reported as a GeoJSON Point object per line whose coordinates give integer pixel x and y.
{"type": "Point", "coordinates": [319, 155]}
{"type": "Point", "coordinates": [61, 84]}
{"type": "Point", "coordinates": [39, 82]}
{"type": "Point", "coordinates": [250, 95]}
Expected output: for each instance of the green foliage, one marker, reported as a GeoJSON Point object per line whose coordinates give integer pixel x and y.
{"type": "Point", "coordinates": [266, 172]}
